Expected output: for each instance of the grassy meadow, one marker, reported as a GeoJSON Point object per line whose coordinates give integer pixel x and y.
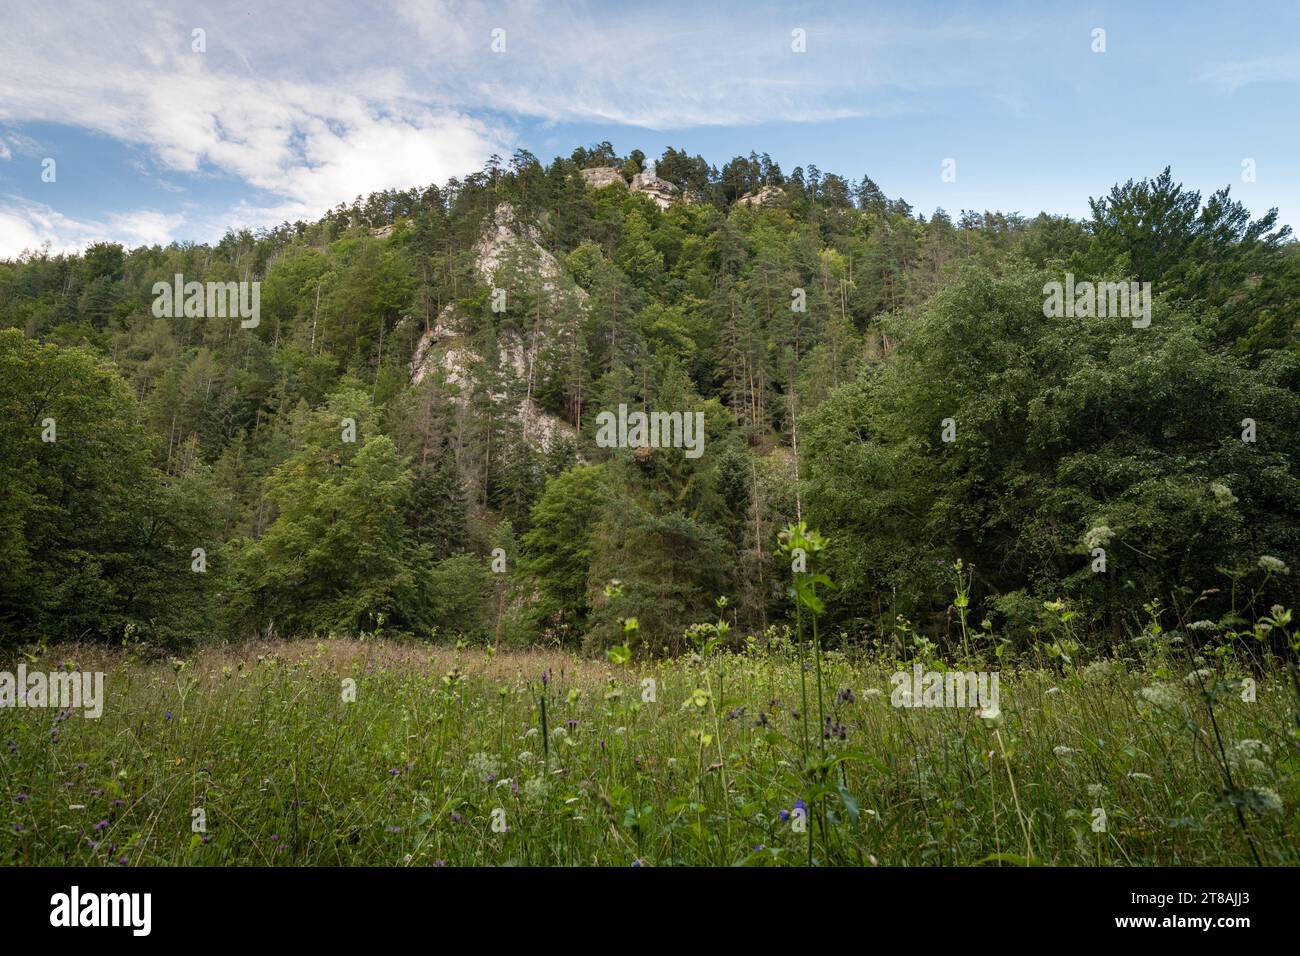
{"type": "Point", "coordinates": [468, 756]}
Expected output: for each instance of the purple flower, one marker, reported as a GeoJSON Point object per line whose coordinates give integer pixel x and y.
{"type": "Point", "coordinates": [455, 817]}
{"type": "Point", "coordinates": [167, 715]}
{"type": "Point", "coordinates": [275, 837]}
{"type": "Point", "coordinates": [571, 723]}
{"type": "Point", "coordinates": [123, 862]}
{"type": "Point", "coordinates": [636, 862]}
{"type": "Point", "coordinates": [394, 829]}
{"type": "Point", "coordinates": [439, 862]}
{"type": "Point", "coordinates": [18, 828]}
{"type": "Point", "coordinates": [546, 678]}
{"type": "Point", "coordinates": [22, 797]}
{"type": "Point", "coordinates": [101, 825]}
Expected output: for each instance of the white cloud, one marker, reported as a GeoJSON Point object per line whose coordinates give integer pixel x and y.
{"type": "Point", "coordinates": [5, 152]}
{"type": "Point", "coordinates": [1232, 76]}
{"type": "Point", "coordinates": [311, 106]}
{"type": "Point", "coordinates": [306, 143]}
{"type": "Point", "coordinates": [27, 226]}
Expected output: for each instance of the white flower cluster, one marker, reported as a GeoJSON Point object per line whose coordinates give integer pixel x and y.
{"type": "Point", "coordinates": [483, 765]}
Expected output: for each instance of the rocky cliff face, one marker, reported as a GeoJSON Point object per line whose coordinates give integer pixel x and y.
{"type": "Point", "coordinates": [446, 344]}
{"type": "Point", "coordinates": [660, 190]}
{"type": "Point", "coordinates": [598, 177]}
{"type": "Point", "coordinates": [767, 196]}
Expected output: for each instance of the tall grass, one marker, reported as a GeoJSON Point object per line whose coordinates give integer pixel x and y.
{"type": "Point", "coordinates": [708, 772]}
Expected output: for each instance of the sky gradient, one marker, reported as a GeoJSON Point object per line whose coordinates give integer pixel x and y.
{"type": "Point", "coordinates": [288, 112]}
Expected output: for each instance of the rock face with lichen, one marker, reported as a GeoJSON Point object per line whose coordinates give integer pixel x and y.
{"type": "Point", "coordinates": [660, 190]}
{"type": "Point", "coordinates": [446, 345]}
{"type": "Point", "coordinates": [598, 177]}
{"type": "Point", "coordinates": [766, 196]}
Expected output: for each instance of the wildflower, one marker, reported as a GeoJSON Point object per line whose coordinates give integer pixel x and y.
{"type": "Point", "coordinates": [456, 817]}
{"type": "Point", "coordinates": [1139, 776]}
{"type": "Point", "coordinates": [101, 825]}
{"type": "Point", "coordinates": [845, 696]}
{"type": "Point", "coordinates": [1161, 695]}
{"type": "Point", "coordinates": [1247, 754]}
{"type": "Point", "coordinates": [1098, 671]}
{"type": "Point", "coordinates": [1266, 799]}
{"type": "Point", "coordinates": [1063, 751]}
{"type": "Point", "coordinates": [636, 862]}
{"type": "Point", "coordinates": [535, 790]}
{"type": "Point", "coordinates": [485, 766]}
{"type": "Point", "coordinates": [394, 829]}
{"type": "Point", "coordinates": [22, 797]}
{"type": "Point", "coordinates": [1273, 565]}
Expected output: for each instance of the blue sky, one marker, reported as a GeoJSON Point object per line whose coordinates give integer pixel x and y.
{"type": "Point", "coordinates": [287, 112]}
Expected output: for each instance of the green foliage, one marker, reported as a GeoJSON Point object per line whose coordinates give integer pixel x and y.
{"type": "Point", "coordinates": [95, 541]}
{"type": "Point", "coordinates": [824, 334]}
{"type": "Point", "coordinates": [1069, 434]}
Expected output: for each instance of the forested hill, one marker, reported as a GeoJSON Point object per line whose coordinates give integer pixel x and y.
{"type": "Point", "coordinates": [423, 382]}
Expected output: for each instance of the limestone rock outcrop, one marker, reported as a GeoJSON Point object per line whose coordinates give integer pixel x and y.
{"type": "Point", "coordinates": [766, 196]}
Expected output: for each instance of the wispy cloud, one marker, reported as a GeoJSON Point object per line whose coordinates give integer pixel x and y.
{"type": "Point", "coordinates": [310, 105]}
{"type": "Point", "coordinates": [27, 226]}
{"type": "Point", "coordinates": [1232, 76]}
